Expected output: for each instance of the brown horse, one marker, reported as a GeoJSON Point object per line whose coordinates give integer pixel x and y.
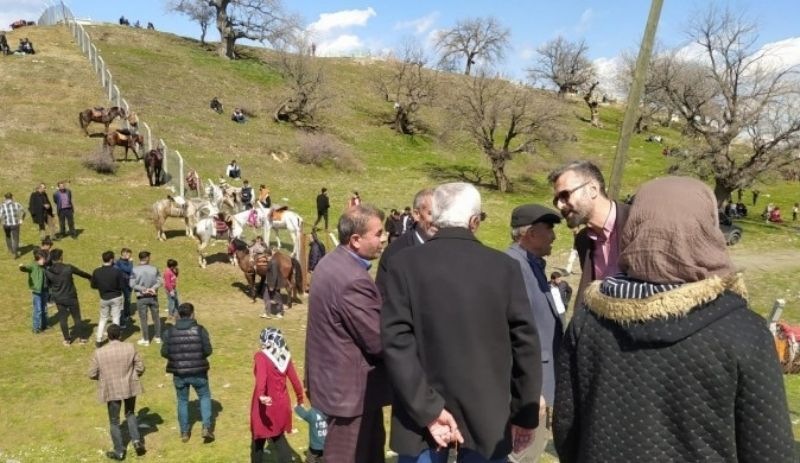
{"type": "Point", "coordinates": [101, 115]}
{"type": "Point", "coordinates": [290, 278]}
{"type": "Point", "coordinates": [124, 137]}
{"type": "Point", "coordinates": [153, 163]}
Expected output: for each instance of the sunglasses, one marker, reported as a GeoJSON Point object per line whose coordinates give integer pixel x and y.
{"type": "Point", "coordinates": [564, 195]}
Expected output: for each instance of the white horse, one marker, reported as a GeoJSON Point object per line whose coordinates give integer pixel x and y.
{"type": "Point", "coordinates": [283, 219]}
{"type": "Point", "coordinates": [176, 206]}
{"type": "Point", "coordinates": [223, 197]}
{"type": "Point", "coordinates": [206, 233]}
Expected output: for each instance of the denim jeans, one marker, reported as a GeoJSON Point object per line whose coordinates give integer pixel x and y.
{"type": "Point", "coordinates": [130, 417]}
{"type": "Point", "coordinates": [127, 311]}
{"type": "Point", "coordinates": [440, 456]}
{"type": "Point", "coordinates": [109, 308]}
{"type": "Point", "coordinates": [172, 304]}
{"type": "Point", "coordinates": [39, 311]}
{"type": "Point", "coordinates": [143, 304]}
{"type": "Point", "coordinates": [203, 391]}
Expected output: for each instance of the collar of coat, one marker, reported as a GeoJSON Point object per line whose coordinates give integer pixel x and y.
{"type": "Point", "coordinates": [675, 303]}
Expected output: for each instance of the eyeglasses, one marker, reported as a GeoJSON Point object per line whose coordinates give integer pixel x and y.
{"type": "Point", "coordinates": [564, 195]}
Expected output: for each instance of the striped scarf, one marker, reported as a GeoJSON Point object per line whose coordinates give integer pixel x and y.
{"type": "Point", "coordinates": [623, 287]}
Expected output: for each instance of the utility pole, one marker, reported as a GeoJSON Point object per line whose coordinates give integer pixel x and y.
{"type": "Point", "coordinates": [634, 97]}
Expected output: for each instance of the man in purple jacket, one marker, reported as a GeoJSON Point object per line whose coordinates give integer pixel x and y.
{"type": "Point", "coordinates": [344, 369]}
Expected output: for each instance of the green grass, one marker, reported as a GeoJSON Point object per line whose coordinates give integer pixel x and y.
{"type": "Point", "coordinates": [49, 411]}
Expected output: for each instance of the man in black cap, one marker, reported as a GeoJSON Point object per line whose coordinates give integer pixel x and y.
{"type": "Point", "coordinates": [533, 236]}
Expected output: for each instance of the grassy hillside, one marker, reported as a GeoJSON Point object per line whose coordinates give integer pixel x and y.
{"type": "Point", "coordinates": [49, 412]}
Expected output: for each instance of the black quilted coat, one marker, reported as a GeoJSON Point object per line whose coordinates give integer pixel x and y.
{"type": "Point", "coordinates": [687, 375]}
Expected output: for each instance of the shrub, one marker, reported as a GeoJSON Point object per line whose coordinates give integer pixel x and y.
{"type": "Point", "coordinates": [321, 149]}
{"type": "Point", "coordinates": [101, 162]}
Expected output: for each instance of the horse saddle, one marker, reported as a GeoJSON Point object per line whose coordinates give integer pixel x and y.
{"type": "Point", "coordinates": [221, 226]}
{"type": "Point", "coordinates": [276, 214]}
{"type": "Point", "coordinates": [122, 136]}
{"type": "Point", "coordinates": [98, 112]}
{"type": "Point", "coordinates": [261, 260]}
{"type": "Point", "coordinates": [252, 218]}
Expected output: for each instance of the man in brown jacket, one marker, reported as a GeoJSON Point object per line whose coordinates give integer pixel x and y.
{"type": "Point", "coordinates": [118, 367]}
{"type": "Point", "coordinates": [344, 366]}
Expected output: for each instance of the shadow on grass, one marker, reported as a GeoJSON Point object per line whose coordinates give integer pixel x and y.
{"type": "Point", "coordinates": [475, 175]}
{"type": "Point", "coordinates": [194, 411]}
{"type": "Point", "coordinates": [148, 421]}
{"type": "Point", "coordinates": [174, 233]}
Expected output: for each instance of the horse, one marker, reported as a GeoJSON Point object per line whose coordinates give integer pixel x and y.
{"type": "Point", "coordinates": [153, 162]}
{"type": "Point", "coordinates": [126, 138]}
{"type": "Point", "coordinates": [281, 218]}
{"type": "Point", "coordinates": [221, 198]}
{"type": "Point", "coordinates": [101, 115]}
{"type": "Point", "coordinates": [290, 278]}
{"type": "Point", "coordinates": [212, 228]}
{"type": "Point", "coordinates": [189, 211]}
{"type": "Point", "coordinates": [193, 182]}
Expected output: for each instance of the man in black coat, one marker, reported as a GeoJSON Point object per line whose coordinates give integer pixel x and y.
{"type": "Point", "coordinates": [41, 210]}
{"type": "Point", "coordinates": [63, 292]}
{"type": "Point", "coordinates": [323, 204]}
{"type": "Point", "coordinates": [422, 231]}
{"type": "Point", "coordinates": [187, 346]}
{"type": "Point", "coordinates": [460, 342]}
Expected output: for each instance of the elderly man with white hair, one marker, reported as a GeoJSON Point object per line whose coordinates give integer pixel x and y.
{"type": "Point", "coordinates": [460, 342]}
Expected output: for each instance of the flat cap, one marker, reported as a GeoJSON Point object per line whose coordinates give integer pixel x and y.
{"type": "Point", "coordinates": [529, 214]}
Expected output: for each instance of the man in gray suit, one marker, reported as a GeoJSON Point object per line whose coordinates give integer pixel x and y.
{"type": "Point", "coordinates": [532, 232]}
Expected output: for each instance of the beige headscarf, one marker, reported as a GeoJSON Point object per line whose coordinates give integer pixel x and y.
{"type": "Point", "coordinates": [672, 234]}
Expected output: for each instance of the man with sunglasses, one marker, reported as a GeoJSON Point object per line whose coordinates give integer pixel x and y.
{"type": "Point", "coordinates": [580, 194]}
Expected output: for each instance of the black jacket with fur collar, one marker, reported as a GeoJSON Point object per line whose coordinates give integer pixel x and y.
{"type": "Point", "coordinates": [685, 375]}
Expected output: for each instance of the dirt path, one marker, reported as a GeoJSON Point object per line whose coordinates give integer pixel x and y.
{"type": "Point", "coordinates": [763, 261]}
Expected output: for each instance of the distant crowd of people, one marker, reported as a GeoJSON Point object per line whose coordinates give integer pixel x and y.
{"type": "Point", "coordinates": [123, 21]}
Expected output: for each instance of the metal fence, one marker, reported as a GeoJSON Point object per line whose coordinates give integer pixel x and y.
{"type": "Point", "coordinates": [173, 161]}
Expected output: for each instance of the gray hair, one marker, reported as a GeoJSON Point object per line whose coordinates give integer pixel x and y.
{"type": "Point", "coordinates": [354, 221]}
{"type": "Point", "coordinates": [454, 204]}
{"type": "Point", "coordinates": [517, 232]}
{"type": "Point", "coordinates": [421, 197]}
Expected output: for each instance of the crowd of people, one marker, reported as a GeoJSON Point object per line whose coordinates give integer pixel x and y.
{"type": "Point", "coordinates": [472, 347]}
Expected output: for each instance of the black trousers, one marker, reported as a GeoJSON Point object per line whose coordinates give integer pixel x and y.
{"type": "Point", "coordinates": [320, 216]}
{"type": "Point", "coordinates": [66, 216]}
{"type": "Point", "coordinates": [114, 407]}
{"type": "Point", "coordinates": [280, 444]}
{"type": "Point", "coordinates": [73, 309]}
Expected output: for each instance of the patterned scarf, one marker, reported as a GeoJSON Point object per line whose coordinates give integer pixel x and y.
{"type": "Point", "coordinates": [623, 287]}
{"type": "Point", "coordinates": [273, 345]}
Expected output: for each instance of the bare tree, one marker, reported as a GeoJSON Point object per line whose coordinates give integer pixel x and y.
{"type": "Point", "coordinates": [472, 39]}
{"type": "Point", "coordinates": [592, 98]}
{"type": "Point", "coordinates": [305, 77]}
{"type": "Point", "coordinates": [654, 101]}
{"type": "Point", "coordinates": [565, 64]}
{"type": "Point", "coordinates": [198, 11]}
{"type": "Point", "coordinates": [505, 119]}
{"type": "Point", "coordinates": [409, 86]}
{"type": "Point", "coordinates": [264, 21]}
{"type": "Point", "coordinates": [734, 94]}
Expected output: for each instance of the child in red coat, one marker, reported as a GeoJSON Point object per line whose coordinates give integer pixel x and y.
{"type": "Point", "coordinates": [271, 409]}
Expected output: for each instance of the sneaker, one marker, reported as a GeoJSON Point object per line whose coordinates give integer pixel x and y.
{"type": "Point", "coordinates": [139, 447]}
{"type": "Point", "coordinates": [143, 342]}
{"type": "Point", "coordinates": [279, 316]}
{"type": "Point", "coordinates": [185, 437]}
{"type": "Point", "coordinates": [83, 341]}
{"type": "Point", "coordinates": [263, 315]}
{"type": "Point", "coordinates": [66, 343]}
{"type": "Point", "coordinates": [157, 340]}
{"type": "Point", "coordinates": [208, 436]}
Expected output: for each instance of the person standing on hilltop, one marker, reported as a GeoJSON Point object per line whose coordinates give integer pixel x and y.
{"type": "Point", "coordinates": [41, 210]}
{"type": "Point", "coordinates": [323, 204]}
{"type": "Point", "coordinates": [65, 209]}
{"type": "Point", "coordinates": [11, 215]}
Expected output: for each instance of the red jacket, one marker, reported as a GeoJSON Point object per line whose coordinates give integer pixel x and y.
{"type": "Point", "coordinates": [170, 280]}
{"type": "Point", "coordinates": [276, 419]}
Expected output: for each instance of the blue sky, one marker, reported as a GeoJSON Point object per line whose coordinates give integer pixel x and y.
{"type": "Point", "coordinates": [345, 27]}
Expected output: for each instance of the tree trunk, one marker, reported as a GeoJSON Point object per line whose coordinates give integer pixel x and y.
{"type": "Point", "coordinates": [227, 36]}
{"type": "Point", "coordinates": [500, 177]}
{"type": "Point", "coordinates": [638, 127]}
{"type": "Point", "coordinates": [203, 30]}
{"type": "Point", "coordinates": [595, 118]}
{"type": "Point", "coordinates": [722, 191]}
{"type": "Point", "coordinates": [468, 67]}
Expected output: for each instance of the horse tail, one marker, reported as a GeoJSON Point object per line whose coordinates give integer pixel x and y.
{"type": "Point", "coordinates": [298, 275]}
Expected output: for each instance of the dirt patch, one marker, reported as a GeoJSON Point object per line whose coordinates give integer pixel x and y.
{"type": "Point", "coordinates": [758, 261]}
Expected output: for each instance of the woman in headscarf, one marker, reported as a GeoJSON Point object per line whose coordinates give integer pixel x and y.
{"type": "Point", "coordinates": [666, 361]}
{"type": "Point", "coordinates": [271, 409]}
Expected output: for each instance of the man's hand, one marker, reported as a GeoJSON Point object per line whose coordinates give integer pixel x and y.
{"type": "Point", "coordinates": [444, 430]}
{"type": "Point", "coordinates": [521, 438]}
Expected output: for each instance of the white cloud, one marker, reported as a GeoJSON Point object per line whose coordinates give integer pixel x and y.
{"type": "Point", "coordinates": [342, 45]}
{"type": "Point", "coordinates": [420, 25]}
{"type": "Point", "coordinates": [344, 19]}
{"type": "Point", "coordinates": [527, 53]}
{"type": "Point", "coordinates": [782, 54]}
{"type": "Point", "coordinates": [607, 69]}
{"type": "Point", "coordinates": [584, 21]}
